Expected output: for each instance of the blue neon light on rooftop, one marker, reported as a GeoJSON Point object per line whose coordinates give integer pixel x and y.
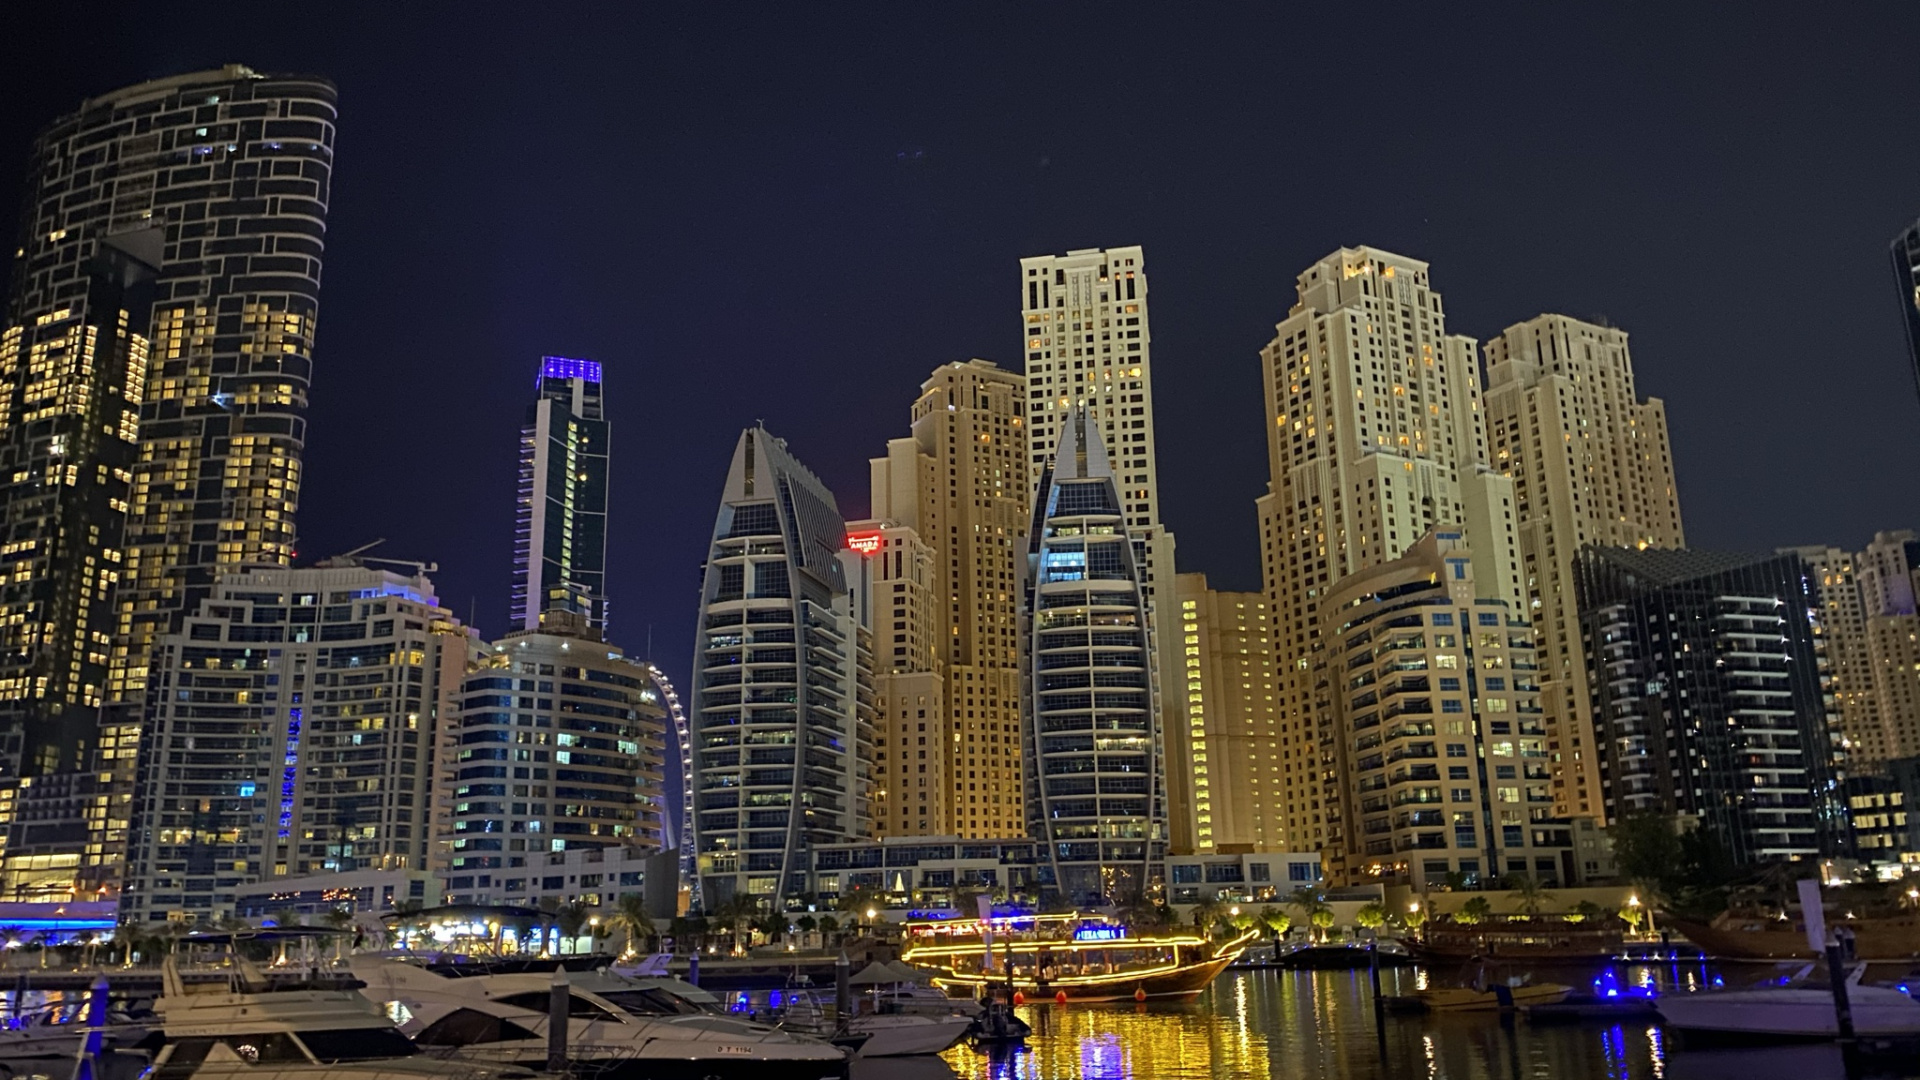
{"type": "Point", "coordinates": [561, 367]}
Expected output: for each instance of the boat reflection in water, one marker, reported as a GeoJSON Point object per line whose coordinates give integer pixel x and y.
{"type": "Point", "coordinates": [1283, 1025]}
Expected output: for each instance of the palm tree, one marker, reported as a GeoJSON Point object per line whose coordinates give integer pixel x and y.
{"type": "Point", "coordinates": [1322, 920]}
{"type": "Point", "coordinates": [1372, 916]}
{"type": "Point", "coordinates": [1530, 897]}
{"type": "Point", "coordinates": [572, 922]}
{"type": "Point", "coordinates": [630, 918]}
{"type": "Point", "coordinates": [829, 929]}
{"type": "Point", "coordinates": [806, 924]}
{"type": "Point", "coordinates": [1139, 910]}
{"type": "Point", "coordinates": [1206, 913]}
{"type": "Point", "coordinates": [1415, 917]}
{"type": "Point", "coordinates": [1276, 921]}
{"type": "Point", "coordinates": [737, 914]}
{"type": "Point", "coordinates": [1473, 911]}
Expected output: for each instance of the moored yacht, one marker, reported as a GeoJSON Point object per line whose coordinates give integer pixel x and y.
{"type": "Point", "coordinates": [247, 1029]}
{"type": "Point", "coordinates": [620, 1029]}
{"type": "Point", "coordinates": [1797, 1010]}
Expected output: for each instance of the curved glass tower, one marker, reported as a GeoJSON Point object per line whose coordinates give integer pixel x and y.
{"type": "Point", "coordinates": [782, 701]}
{"type": "Point", "coordinates": [1094, 771]}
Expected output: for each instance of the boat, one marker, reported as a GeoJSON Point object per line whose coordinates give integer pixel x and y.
{"type": "Point", "coordinates": [1513, 994]}
{"type": "Point", "coordinates": [617, 1028]}
{"type": "Point", "coordinates": [999, 1026]}
{"type": "Point", "coordinates": [1069, 957]}
{"type": "Point", "coordinates": [1751, 936]}
{"type": "Point", "coordinates": [1798, 1010]}
{"type": "Point", "coordinates": [1343, 956]}
{"type": "Point", "coordinates": [54, 1033]}
{"type": "Point", "coordinates": [1540, 938]}
{"type": "Point", "coordinates": [1608, 1001]}
{"type": "Point", "coordinates": [875, 1034]}
{"type": "Point", "coordinates": [244, 1028]}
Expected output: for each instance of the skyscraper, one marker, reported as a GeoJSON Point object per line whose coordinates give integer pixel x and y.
{"type": "Point", "coordinates": [1088, 345]}
{"type": "Point", "coordinates": [1229, 746]}
{"type": "Point", "coordinates": [1375, 436]}
{"type": "Point", "coordinates": [560, 520]}
{"type": "Point", "coordinates": [1439, 711]}
{"type": "Point", "coordinates": [164, 291]}
{"type": "Point", "coordinates": [1843, 641]}
{"type": "Point", "coordinates": [782, 718]}
{"type": "Point", "coordinates": [235, 168]}
{"type": "Point", "coordinates": [293, 727]}
{"type": "Point", "coordinates": [561, 740]}
{"type": "Point", "coordinates": [1889, 575]}
{"type": "Point", "coordinates": [1906, 276]}
{"type": "Point", "coordinates": [1095, 763]}
{"type": "Point", "coordinates": [959, 482]}
{"type": "Point", "coordinates": [894, 580]}
{"type": "Point", "coordinates": [1708, 685]}
{"type": "Point", "coordinates": [1590, 464]}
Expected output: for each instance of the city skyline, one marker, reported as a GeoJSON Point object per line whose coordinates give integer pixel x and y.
{"type": "Point", "coordinates": [1224, 252]}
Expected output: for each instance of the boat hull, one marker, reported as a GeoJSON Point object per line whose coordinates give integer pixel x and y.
{"type": "Point", "coordinates": [1183, 982]}
{"type": "Point", "coordinates": [1451, 999]}
{"type": "Point", "coordinates": [1731, 938]}
{"type": "Point", "coordinates": [906, 1036]}
{"type": "Point", "coordinates": [1791, 1012]}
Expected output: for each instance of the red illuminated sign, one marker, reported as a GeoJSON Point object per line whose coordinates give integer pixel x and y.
{"type": "Point", "coordinates": [866, 543]}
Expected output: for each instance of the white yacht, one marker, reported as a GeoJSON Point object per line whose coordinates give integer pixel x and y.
{"type": "Point", "coordinates": [620, 1029]}
{"type": "Point", "coordinates": [246, 1029]}
{"type": "Point", "coordinates": [53, 1034]}
{"type": "Point", "coordinates": [1797, 1010]}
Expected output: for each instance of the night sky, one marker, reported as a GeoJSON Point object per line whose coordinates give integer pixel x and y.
{"type": "Point", "coordinates": [765, 212]}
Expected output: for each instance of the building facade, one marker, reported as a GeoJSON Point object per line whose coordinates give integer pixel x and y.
{"type": "Point", "coordinates": [1376, 435]}
{"type": "Point", "coordinates": [1228, 741]}
{"type": "Point", "coordinates": [1095, 759]}
{"type": "Point", "coordinates": [1441, 725]}
{"type": "Point", "coordinates": [561, 744]}
{"type": "Point", "coordinates": [892, 581]}
{"type": "Point", "coordinates": [1889, 576]}
{"type": "Point", "coordinates": [1709, 696]}
{"type": "Point", "coordinates": [291, 731]}
{"type": "Point", "coordinates": [1906, 278]}
{"type": "Point", "coordinates": [782, 717]}
{"type": "Point", "coordinates": [560, 516]}
{"type": "Point", "coordinates": [1089, 347]}
{"type": "Point", "coordinates": [1590, 464]}
{"type": "Point", "coordinates": [959, 483]}
{"type": "Point", "coordinates": [1843, 639]}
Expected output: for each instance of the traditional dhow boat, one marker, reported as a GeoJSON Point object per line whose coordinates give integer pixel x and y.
{"type": "Point", "coordinates": [1542, 938]}
{"type": "Point", "coordinates": [1732, 936]}
{"type": "Point", "coordinates": [1082, 957]}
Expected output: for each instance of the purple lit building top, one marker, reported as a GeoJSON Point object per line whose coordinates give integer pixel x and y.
{"type": "Point", "coordinates": [561, 367]}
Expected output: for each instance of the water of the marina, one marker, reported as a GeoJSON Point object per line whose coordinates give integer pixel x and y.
{"type": "Point", "coordinates": [1304, 1025]}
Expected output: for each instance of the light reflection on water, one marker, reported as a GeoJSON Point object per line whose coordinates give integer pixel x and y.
{"type": "Point", "coordinates": [1284, 1025]}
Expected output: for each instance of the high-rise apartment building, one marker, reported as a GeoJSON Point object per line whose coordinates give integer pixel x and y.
{"type": "Point", "coordinates": [1224, 797]}
{"type": "Point", "coordinates": [959, 483]}
{"type": "Point", "coordinates": [1376, 436]}
{"type": "Point", "coordinates": [1889, 576]}
{"type": "Point", "coordinates": [1906, 277]}
{"type": "Point", "coordinates": [164, 290]}
{"type": "Point", "coordinates": [1709, 695]}
{"type": "Point", "coordinates": [1843, 640]}
{"type": "Point", "coordinates": [1590, 464]}
{"type": "Point", "coordinates": [1439, 712]}
{"type": "Point", "coordinates": [893, 580]}
{"type": "Point", "coordinates": [782, 718]}
{"type": "Point", "coordinates": [1095, 760]}
{"type": "Point", "coordinates": [560, 519]}
{"type": "Point", "coordinates": [1089, 346]}
{"type": "Point", "coordinates": [291, 731]}
{"type": "Point", "coordinates": [560, 743]}
{"type": "Point", "coordinates": [235, 168]}
{"type": "Point", "coordinates": [73, 377]}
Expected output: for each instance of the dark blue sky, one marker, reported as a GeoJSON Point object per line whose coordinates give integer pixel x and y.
{"type": "Point", "coordinates": [794, 213]}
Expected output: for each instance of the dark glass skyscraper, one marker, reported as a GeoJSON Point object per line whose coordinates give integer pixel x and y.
{"type": "Point", "coordinates": [155, 353]}
{"type": "Point", "coordinates": [1906, 274]}
{"type": "Point", "coordinates": [782, 720]}
{"type": "Point", "coordinates": [560, 527]}
{"type": "Point", "coordinates": [1708, 697]}
{"type": "Point", "coordinates": [1095, 779]}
